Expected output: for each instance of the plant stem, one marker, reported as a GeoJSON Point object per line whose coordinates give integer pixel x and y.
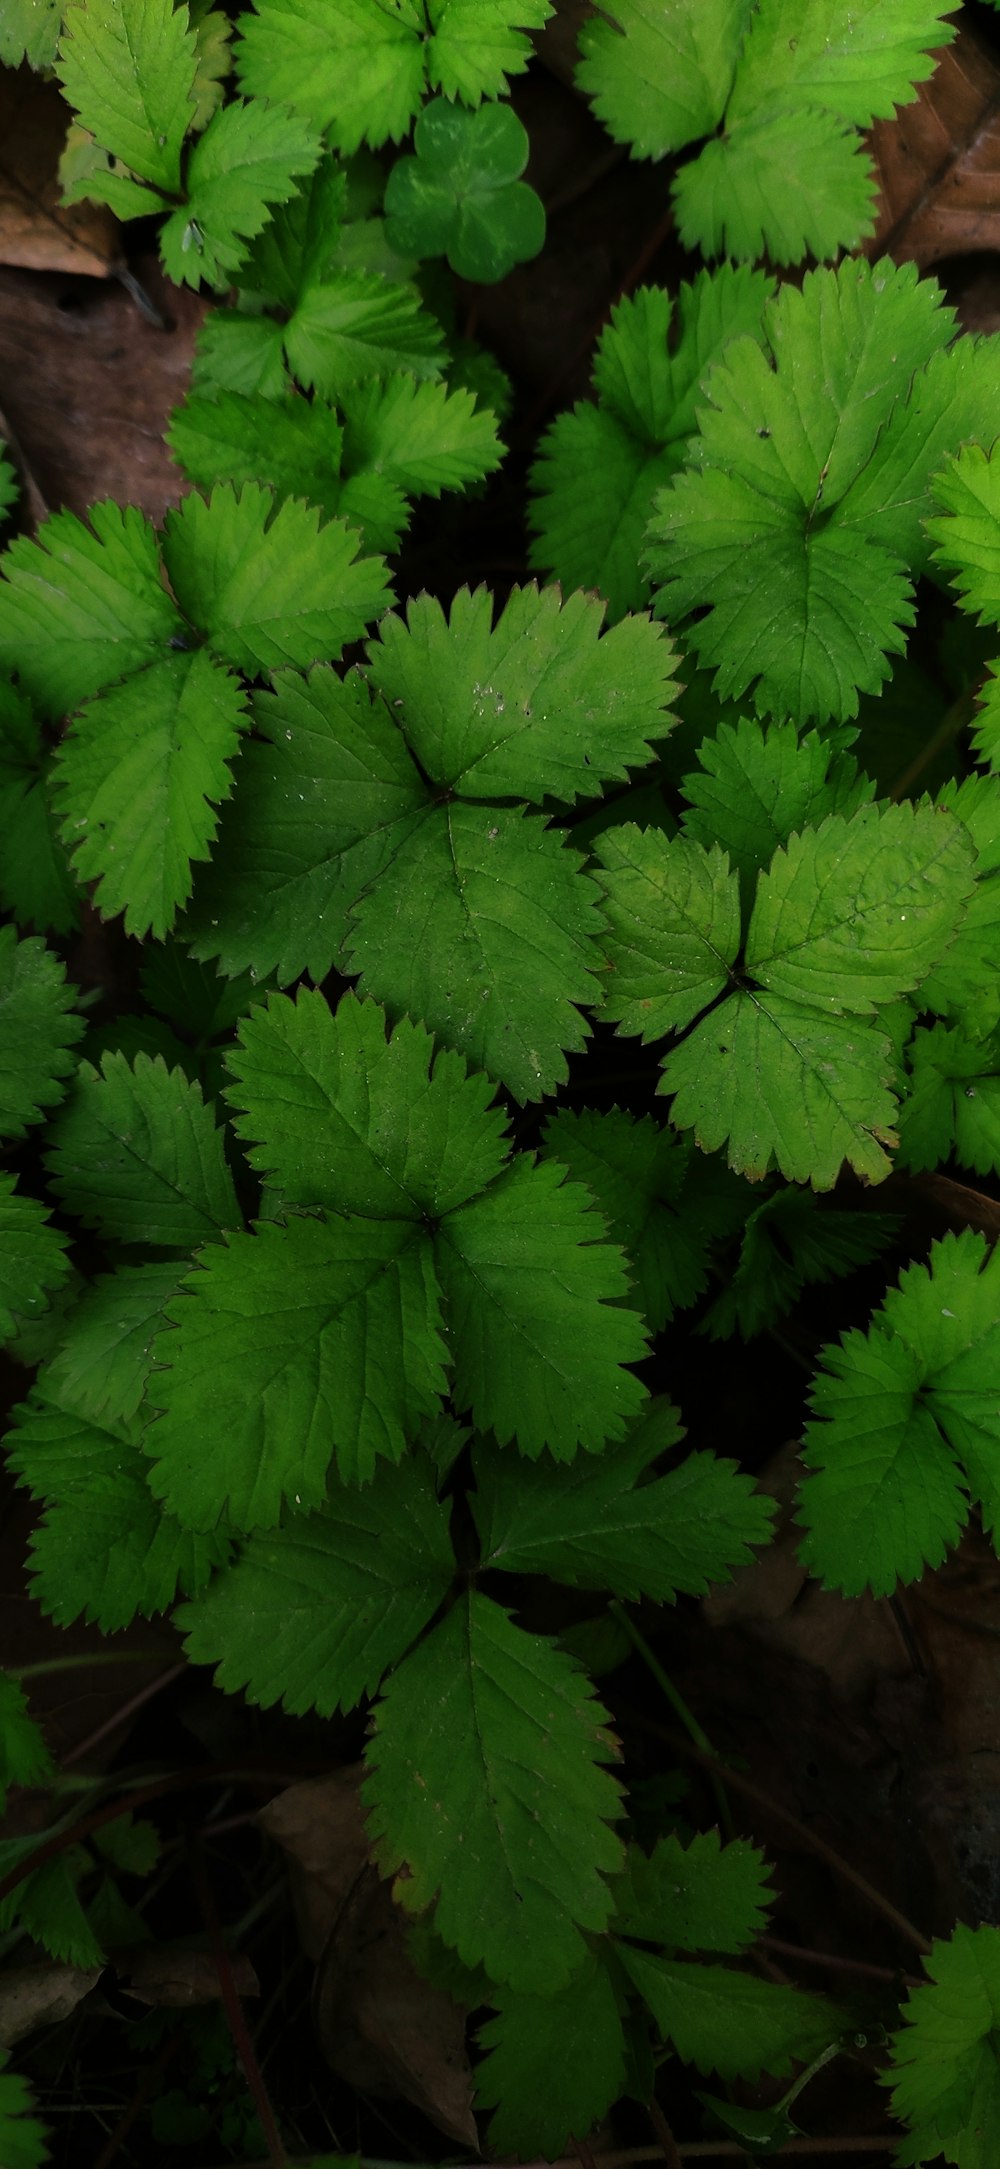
{"type": "Point", "coordinates": [695, 1731]}
{"type": "Point", "coordinates": [97, 1660]}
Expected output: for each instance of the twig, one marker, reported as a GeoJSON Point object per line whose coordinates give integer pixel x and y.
{"type": "Point", "coordinates": [694, 1730]}
{"type": "Point", "coordinates": [886, 1974]}
{"type": "Point", "coordinates": [121, 1716]}
{"type": "Point", "coordinates": [668, 2143]}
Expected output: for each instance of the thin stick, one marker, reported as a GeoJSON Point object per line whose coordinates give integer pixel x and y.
{"type": "Point", "coordinates": [668, 2143]}
{"type": "Point", "coordinates": [694, 1730]}
{"type": "Point", "coordinates": [121, 1716]}
{"type": "Point", "coordinates": [98, 1660]}
{"type": "Point", "coordinates": [839, 1965]}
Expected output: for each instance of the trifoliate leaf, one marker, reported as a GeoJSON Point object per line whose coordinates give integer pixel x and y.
{"type": "Point", "coordinates": [83, 606]}
{"type": "Point", "coordinates": [659, 79]}
{"type": "Point", "coordinates": [103, 1550]}
{"type": "Point", "coordinates": [782, 184]}
{"type": "Point", "coordinates": [487, 1795]}
{"type": "Point", "coordinates": [316, 1613]}
{"type": "Point", "coordinates": [33, 1261]}
{"type": "Point", "coordinates": [673, 910]}
{"type": "Point", "coordinates": [35, 881]}
{"type": "Point", "coordinates": [945, 2072]}
{"type": "Point", "coordinates": [327, 792]}
{"type": "Point", "coordinates": [250, 157]}
{"type": "Point", "coordinates": [635, 1173]}
{"type": "Point", "coordinates": [756, 788]}
{"type": "Point", "coordinates": [733, 2023]}
{"type": "Point", "coordinates": [952, 1102]}
{"type": "Point", "coordinates": [554, 2064]}
{"type": "Point", "coordinates": [37, 1031]}
{"type": "Point", "coordinates": [460, 195]}
{"type": "Point", "coordinates": [787, 1245]}
{"type": "Point", "coordinates": [602, 1526]}
{"type": "Point", "coordinates": [265, 581]}
{"type": "Point", "coordinates": [361, 1297]}
{"type": "Point", "coordinates": [24, 1757]}
{"type": "Point", "coordinates": [105, 1348]}
{"type": "Point", "coordinates": [598, 468]}
{"type": "Point", "coordinates": [766, 528]}
{"type": "Point", "coordinates": [444, 931]}
{"type": "Point", "coordinates": [788, 1088]}
{"type": "Point", "coordinates": [703, 1896]}
{"type": "Point", "coordinates": [128, 66]}
{"type": "Point", "coordinates": [22, 2136]}
{"type": "Point", "coordinates": [343, 1117]}
{"type": "Point", "coordinates": [136, 782]}
{"type": "Point", "coordinates": [539, 1341]}
{"type": "Point", "coordinates": [539, 705]}
{"type": "Point", "coordinates": [30, 31]}
{"type": "Point", "coordinates": [886, 1497]}
{"type": "Point", "coordinates": [361, 74]}
{"type": "Point", "coordinates": [348, 329]}
{"type": "Point", "coordinates": [855, 912]}
{"type": "Point", "coordinates": [136, 1153]}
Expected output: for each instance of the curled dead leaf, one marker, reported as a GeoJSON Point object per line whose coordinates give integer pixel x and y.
{"type": "Point", "coordinates": [176, 1979]}
{"type": "Point", "coordinates": [32, 1996]}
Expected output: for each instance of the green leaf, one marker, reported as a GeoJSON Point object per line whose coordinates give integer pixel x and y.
{"type": "Point", "coordinates": [755, 788]}
{"type": "Point", "coordinates": [37, 1031]}
{"type": "Point", "coordinates": [460, 195]}
{"type": "Point", "coordinates": [136, 780]}
{"type": "Point", "coordinates": [361, 1298]}
{"type": "Point", "coordinates": [859, 62]}
{"type": "Point", "coordinates": [291, 443]}
{"type": "Point", "coordinates": [128, 66]}
{"type": "Point", "coordinates": [235, 352]}
{"type": "Point", "coordinates": [784, 184]}
{"type": "Point", "coordinates": [952, 1104]}
{"type": "Point", "coordinates": [539, 705]}
{"type": "Point", "coordinates": [610, 1525]}
{"type": "Point", "coordinates": [423, 436]}
{"type": "Point", "coordinates": [788, 1088]}
{"type": "Point", "coordinates": [885, 1497]}
{"type": "Point", "coordinates": [46, 1905]}
{"type": "Point", "coordinates": [327, 791]}
{"type": "Point", "coordinates": [136, 1153]}
{"type": "Point", "coordinates": [192, 996]}
{"type": "Point", "coordinates": [661, 78]}
{"type": "Point", "coordinates": [673, 912]}
{"type": "Point", "coordinates": [105, 1347]}
{"type": "Point", "coordinates": [854, 913]}
{"type": "Point", "coordinates": [356, 326]}
{"type": "Point", "coordinates": [103, 1551]}
{"type": "Point", "coordinates": [788, 1244]}
{"type": "Point", "coordinates": [35, 881]}
{"type": "Point", "coordinates": [539, 1341]}
{"type": "Point", "coordinates": [250, 158]}
{"type": "Point", "coordinates": [554, 2064]}
{"type": "Point", "coordinates": [635, 1172]}
{"type": "Point", "coordinates": [24, 1756]}
{"type": "Point", "coordinates": [703, 1896]}
{"type": "Point", "coordinates": [945, 2073]}
{"type": "Point", "coordinates": [486, 1787]}
{"type": "Point", "coordinates": [83, 606]}
{"type": "Point", "coordinates": [33, 1261]}
{"type": "Point", "coordinates": [733, 2023]}
{"type": "Point", "coordinates": [967, 533]}
{"type": "Point", "coordinates": [598, 468]}
{"type": "Point", "coordinates": [30, 31]}
{"type": "Point", "coordinates": [361, 74]}
{"type": "Point", "coordinates": [478, 889]}
{"type": "Point", "coordinates": [22, 2136]}
{"type": "Point", "coordinates": [265, 582]}
{"type": "Point", "coordinates": [316, 1613]}
{"type": "Point", "coordinates": [344, 1117]}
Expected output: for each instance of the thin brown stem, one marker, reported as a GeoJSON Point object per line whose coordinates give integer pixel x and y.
{"type": "Point", "coordinates": [121, 1716]}
{"type": "Point", "coordinates": [668, 2144]}
{"type": "Point", "coordinates": [835, 1964]}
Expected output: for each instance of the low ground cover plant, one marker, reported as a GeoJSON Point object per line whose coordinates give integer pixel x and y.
{"type": "Point", "coordinates": [343, 1291]}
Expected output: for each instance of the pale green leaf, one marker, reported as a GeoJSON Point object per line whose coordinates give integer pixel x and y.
{"type": "Point", "coordinates": [128, 66]}
{"type": "Point", "coordinates": [660, 77]}
{"type": "Point", "coordinates": [781, 183]}
{"type": "Point", "coordinates": [30, 31]}
{"type": "Point", "coordinates": [345, 1117]}
{"type": "Point", "coordinates": [295, 1347]}
{"type": "Point", "coordinates": [539, 1340]}
{"type": "Point", "coordinates": [423, 436]}
{"type": "Point", "coordinates": [136, 1153]}
{"type": "Point", "coordinates": [357, 325]}
{"type": "Point", "coordinates": [860, 58]}
{"type": "Point", "coordinates": [83, 605]}
{"type": "Point", "coordinates": [487, 1789]}
{"type": "Point", "coordinates": [314, 1614]}
{"type": "Point", "coordinates": [136, 782]}
{"type": "Point", "coordinates": [250, 158]}
{"type": "Point", "coordinates": [38, 1031]}
{"type": "Point", "coordinates": [293, 444]}
{"type": "Point", "coordinates": [265, 582]}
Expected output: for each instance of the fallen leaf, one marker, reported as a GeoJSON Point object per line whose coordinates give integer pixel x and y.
{"type": "Point", "coordinates": [938, 161]}
{"type": "Point", "coordinates": [32, 1996]}
{"type": "Point", "coordinates": [176, 1979]}
{"type": "Point", "coordinates": [381, 2025]}
{"type": "Point", "coordinates": [37, 230]}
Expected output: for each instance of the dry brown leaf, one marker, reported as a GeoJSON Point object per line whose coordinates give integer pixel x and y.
{"type": "Point", "coordinates": [41, 1995]}
{"type": "Point", "coordinates": [176, 1979]}
{"type": "Point", "coordinates": [381, 2025]}
{"type": "Point", "coordinates": [938, 162]}
{"type": "Point", "coordinates": [37, 230]}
